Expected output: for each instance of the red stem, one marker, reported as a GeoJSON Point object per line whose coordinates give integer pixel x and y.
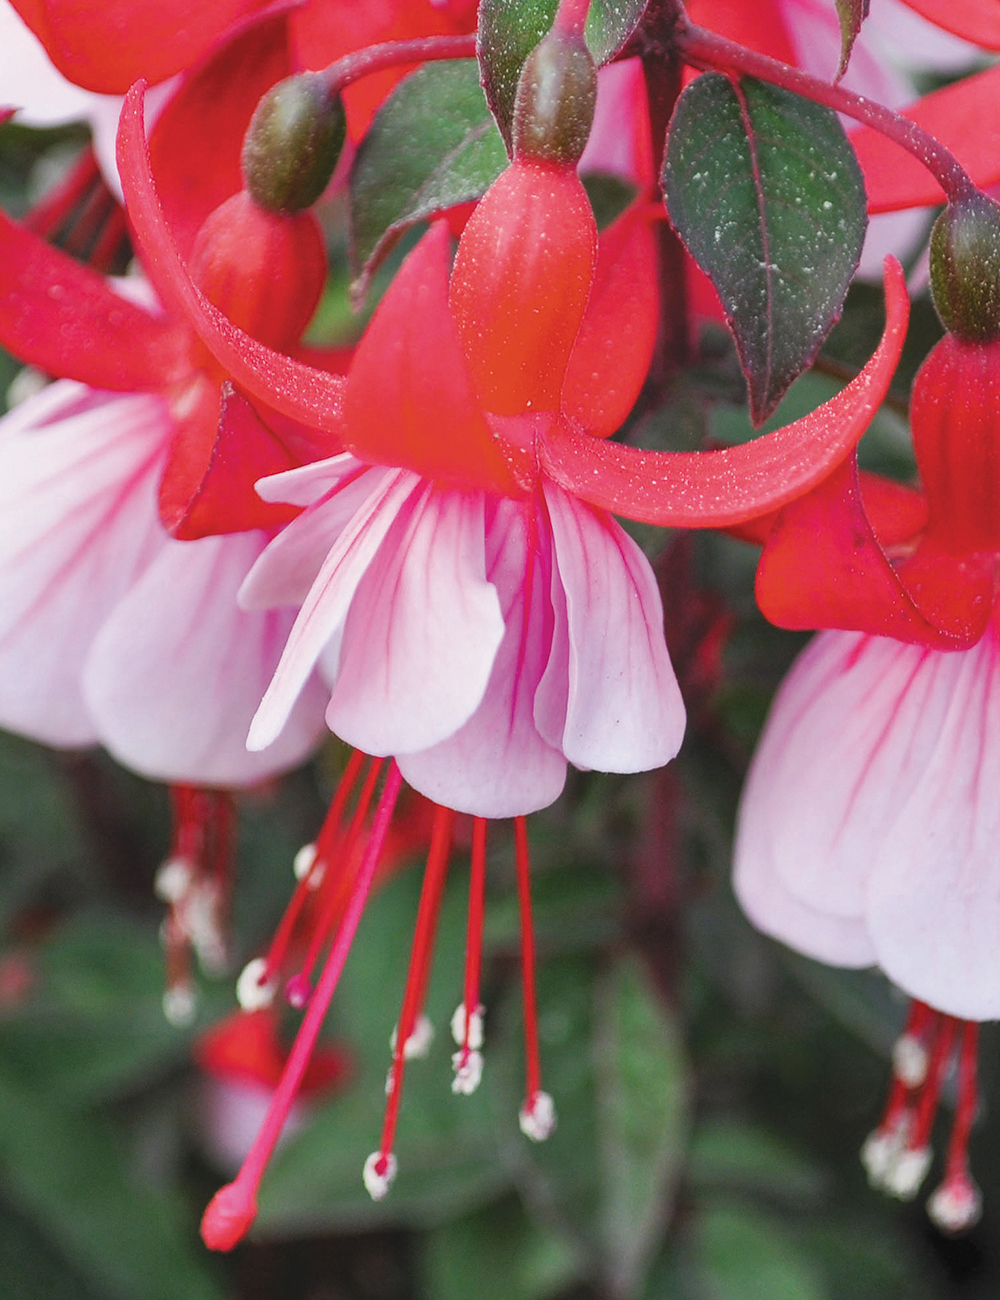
{"type": "Point", "coordinates": [703, 49]}
{"type": "Point", "coordinates": [391, 54]}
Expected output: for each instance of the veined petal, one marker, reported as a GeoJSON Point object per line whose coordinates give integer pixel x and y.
{"type": "Point", "coordinates": [497, 764]}
{"type": "Point", "coordinates": [335, 491]}
{"type": "Point", "coordinates": [78, 473]}
{"type": "Point", "coordinates": [932, 901]}
{"type": "Point", "coordinates": [325, 609]}
{"type": "Point", "coordinates": [624, 710]}
{"type": "Point", "coordinates": [956, 115]}
{"type": "Point", "coordinates": [422, 632]}
{"type": "Point", "coordinates": [299, 391]}
{"type": "Point", "coordinates": [64, 318]}
{"type": "Point", "coordinates": [715, 489]}
{"type": "Point", "coordinates": [177, 670]}
{"type": "Point", "coordinates": [104, 45]}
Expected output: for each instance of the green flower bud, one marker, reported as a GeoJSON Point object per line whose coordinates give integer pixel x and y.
{"type": "Point", "coordinates": [293, 143]}
{"type": "Point", "coordinates": [556, 93]}
{"type": "Point", "coordinates": [965, 268]}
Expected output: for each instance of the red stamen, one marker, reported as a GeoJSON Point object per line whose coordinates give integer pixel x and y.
{"type": "Point", "coordinates": [967, 1105]}
{"type": "Point", "coordinates": [419, 970]}
{"type": "Point", "coordinates": [930, 1094]}
{"type": "Point", "coordinates": [49, 216]}
{"type": "Point", "coordinates": [538, 1113]}
{"type": "Point", "coordinates": [305, 888]}
{"type": "Point", "coordinates": [473, 949]}
{"type": "Point", "coordinates": [231, 1211]}
{"type": "Point", "coordinates": [335, 886]}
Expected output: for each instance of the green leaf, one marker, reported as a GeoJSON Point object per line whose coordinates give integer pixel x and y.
{"type": "Point", "coordinates": [742, 1254]}
{"type": "Point", "coordinates": [510, 29]}
{"type": "Point", "coordinates": [612, 1060]}
{"type": "Point", "coordinates": [765, 191]}
{"type": "Point", "coordinates": [739, 1157]}
{"type": "Point", "coordinates": [94, 1025]}
{"type": "Point", "coordinates": [496, 1254]}
{"type": "Point", "coordinates": [852, 14]}
{"type": "Point", "coordinates": [68, 1173]}
{"type": "Point", "coordinates": [432, 144]}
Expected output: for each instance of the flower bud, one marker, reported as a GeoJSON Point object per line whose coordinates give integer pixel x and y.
{"type": "Point", "coordinates": [965, 268]}
{"type": "Point", "coordinates": [293, 143]}
{"type": "Point", "coordinates": [556, 94]}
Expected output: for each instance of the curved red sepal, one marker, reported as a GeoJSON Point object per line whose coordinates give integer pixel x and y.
{"type": "Point", "coordinates": [614, 347]}
{"type": "Point", "coordinates": [716, 489]}
{"type": "Point", "coordinates": [823, 567]}
{"type": "Point", "coordinates": [218, 455]}
{"type": "Point", "coordinates": [196, 141]}
{"type": "Point", "coordinates": [960, 116]}
{"type": "Point", "coordinates": [104, 45]}
{"type": "Point", "coordinates": [62, 317]}
{"type": "Point", "coordinates": [898, 513]}
{"type": "Point", "coordinates": [974, 20]}
{"type": "Point", "coordinates": [301, 392]}
{"type": "Point", "coordinates": [409, 399]}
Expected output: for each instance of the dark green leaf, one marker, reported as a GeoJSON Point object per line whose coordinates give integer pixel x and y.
{"type": "Point", "coordinates": [766, 193]}
{"type": "Point", "coordinates": [852, 14]}
{"type": "Point", "coordinates": [739, 1157]}
{"type": "Point", "coordinates": [496, 1254]}
{"type": "Point", "coordinates": [432, 144]}
{"type": "Point", "coordinates": [614, 1066]}
{"type": "Point", "coordinates": [742, 1254]}
{"type": "Point", "coordinates": [510, 29]}
{"type": "Point", "coordinates": [67, 1171]}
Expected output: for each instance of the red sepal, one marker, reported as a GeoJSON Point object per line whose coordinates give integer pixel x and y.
{"type": "Point", "coordinates": [823, 567]}
{"type": "Point", "coordinates": [961, 116]}
{"type": "Point", "coordinates": [246, 1047]}
{"type": "Point", "coordinates": [409, 399]}
{"type": "Point", "coordinates": [898, 513]}
{"type": "Point", "coordinates": [520, 284]}
{"type": "Point", "coordinates": [104, 45]}
{"type": "Point", "coordinates": [196, 141]}
{"type": "Point", "coordinates": [716, 489]}
{"type": "Point", "coordinates": [63, 318]}
{"type": "Point", "coordinates": [218, 455]}
{"type": "Point", "coordinates": [613, 349]}
{"type": "Point", "coordinates": [301, 392]}
{"type": "Point", "coordinates": [974, 20]}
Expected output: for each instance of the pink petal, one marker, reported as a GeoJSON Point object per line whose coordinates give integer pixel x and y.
{"type": "Point", "coordinates": [848, 737]}
{"type": "Point", "coordinates": [934, 891]}
{"type": "Point", "coordinates": [422, 633]}
{"type": "Point", "coordinates": [497, 764]}
{"type": "Point", "coordinates": [78, 524]}
{"type": "Point", "coordinates": [177, 670]}
{"type": "Point", "coordinates": [325, 609]}
{"type": "Point", "coordinates": [305, 485]}
{"type": "Point", "coordinates": [290, 565]}
{"type": "Point", "coordinates": [624, 709]}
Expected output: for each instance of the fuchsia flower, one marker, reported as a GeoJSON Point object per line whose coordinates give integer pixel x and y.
{"type": "Point", "coordinates": [869, 826]}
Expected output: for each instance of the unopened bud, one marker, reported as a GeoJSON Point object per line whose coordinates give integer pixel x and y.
{"type": "Point", "coordinates": [965, 268]}
{"type": "Point", "coordinates": [556, 94]}
{"type": "Point", "coordinates": [293, 143]}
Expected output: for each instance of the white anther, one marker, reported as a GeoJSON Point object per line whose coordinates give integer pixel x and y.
{"type": "Point", "coordinates": [253, 990]}
{"type": "Point", "coordinates": [910, 1061]}
{"type": "Point", "coordinates": [303, 861]}
{"type": "Point", "coordinates": [906, 1172]}
{"type": "Point", "coordinates": [419, 1042]}
{"type": "Point", "coordinates": [955, 1206]}
{"type": "Point", "coordinates": [475, 1027]}
{"type": "Point", "coordinates": [173, 879]}
{"type": "Point", "coordinates": [378, 1175]}
{"type": "Point", "coordinates": [538, 1117]}
{"type": "Point", "coordinates": [179, 1005]}
{"type": "Point", "coordinates": [201, 922]}
{"type": "Point", "coordinates": [468, 1072]}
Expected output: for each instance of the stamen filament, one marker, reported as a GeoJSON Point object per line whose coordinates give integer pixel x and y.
{"type": "Point", "coordinates": [474, 939]}
{"type": "Point", "coordinates": [231, 1211]}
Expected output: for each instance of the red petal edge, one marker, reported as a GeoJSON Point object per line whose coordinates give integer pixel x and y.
{"type": "Point", "coordinates": [62, 317]}
{"type": "Point", "coordinates": [823, 567]}
{"type": "Point", "coordinates": [716, 489]}
{"type": "Point", "coordinates": [311, 396]}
